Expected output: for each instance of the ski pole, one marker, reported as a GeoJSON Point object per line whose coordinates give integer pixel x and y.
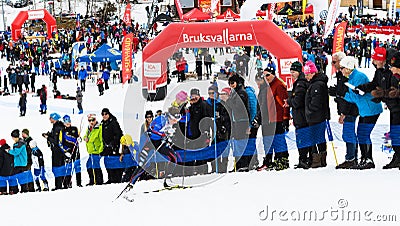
{"type": "Point", "coordinates": [330, 137]}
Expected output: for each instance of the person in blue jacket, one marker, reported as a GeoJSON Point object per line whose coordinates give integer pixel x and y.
{"type": "Point", "coordinates": [369, 110]}
{"type": "Point", "coordinates": [20, 161]}
{"type": "Point", "coordinates": [82, 75]}
{"type": "Point", "coordinates": [106, 76]}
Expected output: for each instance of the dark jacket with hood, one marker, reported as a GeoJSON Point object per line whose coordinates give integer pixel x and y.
{"type": "Point", "coordinates": [112, 134]}
{"type": "Point", "coordinates": [317, 100]}
{"type": "Point", "coordinates": [297, 101]}
{"type": "Point", "coordinates": [6, 161]}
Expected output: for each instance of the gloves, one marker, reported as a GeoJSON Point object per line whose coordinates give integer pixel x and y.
{"type": "Point", "coordinates": [376, 100]}
{"type": "Point", "coordinates": [67, 157]}
{"type": "Point", "coordinates": [393, 92]}
{"type": "Point", "coordinates": [332, 90]}
{"type": "Point", "coordinates": [255, 123]}
{"type": "Point", "coordinates": [356, 91]}
{"type": "Point", "coordinates": [378, 92]}
{"type": "Point", "coordinates": [222, 130]}
{"type": "Point", "coordinates": [285, 125]}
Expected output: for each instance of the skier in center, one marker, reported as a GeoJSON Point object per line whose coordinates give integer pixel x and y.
{"type": "Point", "coordinates": [159, 138]}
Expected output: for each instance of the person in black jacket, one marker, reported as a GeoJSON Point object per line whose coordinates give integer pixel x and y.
{"type": "Point", "coordinates": [6, 166]}
{"type": "Point", "coordinates": [317, 112]}
{"type": "Point", "coordinates": [22, 104]}
{"type": "Point", "coordinates": [238, 103]}
{"type": "Point", "coordinates": [27, 140]}
{"type": "Point", "coordinates": [112, 134]}
{"type": "Point", "coordinates": [348, 113]}
{"type": "Point", "coordinates": [198, 137]}
{"type": "Point", "coordinates": [58, 155]}
{"type": "Point", "coordinates": [297, 102]}
{"type": "Point", "coordinates": [386, 82]}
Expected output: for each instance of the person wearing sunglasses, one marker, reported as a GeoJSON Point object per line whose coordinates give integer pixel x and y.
{"type": "Point", "coordinates": [94, 146]}
{"type": "Point", "coordinates": [317, 112]}
{"type": "Point", "coordinates": [348, 113]}
{"type": "Point", "coordinates": [160, 138]}
{"type": "Point", "coordinates": [369, 110]}
{"type": "Point", "coordinates": [112, 133]}
{"type": "Point", "coordinates": [275, 121]}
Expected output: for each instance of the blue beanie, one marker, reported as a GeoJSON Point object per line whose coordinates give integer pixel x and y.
{"type": "Point", "coordinates": [55, 116]}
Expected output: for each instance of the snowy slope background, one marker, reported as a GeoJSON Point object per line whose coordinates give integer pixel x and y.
{"type": "Point", "coordinates": [232, 199]}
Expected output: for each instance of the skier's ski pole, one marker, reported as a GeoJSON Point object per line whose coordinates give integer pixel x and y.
{"type": "Point", "coordinates": [129, 186]}
{"type": "Point", "coordinates": [330, 137]}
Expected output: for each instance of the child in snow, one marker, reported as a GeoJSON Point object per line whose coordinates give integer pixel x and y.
{"type": "Point", "coordinates": [127, 155]}
{"type": "Point", "coordinates": [99, 84]}
{"type": "Point", "coordinates": [38, 167]}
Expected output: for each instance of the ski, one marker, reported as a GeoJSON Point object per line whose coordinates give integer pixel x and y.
{"type": "Point", "coordinates": [169, 188]}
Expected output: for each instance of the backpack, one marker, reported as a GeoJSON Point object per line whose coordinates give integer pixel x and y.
{"type": "Point", "coordinates": [252, 102]}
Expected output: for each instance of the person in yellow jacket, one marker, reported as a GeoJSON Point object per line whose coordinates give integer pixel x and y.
{"type": "Point", "coordinates": [94, 146]}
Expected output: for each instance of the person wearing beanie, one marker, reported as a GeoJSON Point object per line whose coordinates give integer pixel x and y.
{"type": "Point", "coordinates": [112, 133]}
{"type": "Point", "coordinates": [297, 102]}
{"type": "Point", "coordinates": [38, 167]}
{"type": "Point", "coordinates": [369, 110]}
{"type": "Point", "coordinates": [197, 112]}
{"type": "Point", "coordinates": [348, 113]}
{"type": "Point", "coordinates": [385, 87]}
{"type": "Point", "coordinates": [69, 144]}
{"type": "Point", "coordinates": [19, 152]}
{"type": "Point", "coordinates": [22, 104]}
{"type": "Point", "coordinates": [317, 112]}
{"type": "Point", "coordinates": [239, 107]}
{"type": "Point", "coordinates": [148, 119]}
{"type": "Point", "coordinates": [27, 139]}
{"type": "Point", "coordinates": [160, 134]}
{"type": "Point", "coordinates": [94, 146]}
{"type": "Point", "coordinates": [6, 167]}
{"type": "Point", "coordinates": [181, 97]}
{"type": "Point", "coordinates": [57, 155]}
{"type": "Point", "coordinates": [275, 121]}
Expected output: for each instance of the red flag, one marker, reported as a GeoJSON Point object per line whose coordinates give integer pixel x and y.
{"type": "Point", "coordinates": [179, 9]}
{"type": "Point", "coordinates": [127, 57]}
{"type": "Point", "coordinates": [338, 39]}
{"type": "Point", "coordinates": [127, 15]}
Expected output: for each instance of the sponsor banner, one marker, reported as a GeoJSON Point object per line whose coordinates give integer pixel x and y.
{"type": "Point", "coordinates": [224, 37]}
{"type": "Point", "coordinates": [210, 7]}
{"type": "Point", "coordinates": [127, 15]}
{"type": "Point", "coordinates": [338, 39]}
{"type": "Point", "coordinates": [152, 70]}
{"type": "Point", "coordinates": [285, 65]}
{"type": "Point", "coordinates": [35, 14]}
{"type": "Point", "coordinates": [331, 18]}
{"type": "Point", "coordinates": [385, 30]}
{"type": "Point", "coordinates": [78, 21]}
{"type": "Point", "coordinates": [179, 9]}
{"type": "Point", "coordinates": [271, 10]}
{"type": "Point", "coordinates": [320, 9]}
{"type": "Point", "coordinates": [127, 57]}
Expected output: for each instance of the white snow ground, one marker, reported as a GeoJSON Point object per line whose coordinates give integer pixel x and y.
{"type": "Point", "coordinates": [254, 198]}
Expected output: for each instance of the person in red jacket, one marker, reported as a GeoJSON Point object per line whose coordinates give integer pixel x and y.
{"type": "Point", "coordinates": [278, 117]}
{"type": "Point", "coordinates": [180, 66]}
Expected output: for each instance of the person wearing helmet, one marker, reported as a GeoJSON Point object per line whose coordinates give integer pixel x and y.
{"type": "Point", "coordinates": [70, 146]}
{"type": "Point", "coordinates": [57, 157]}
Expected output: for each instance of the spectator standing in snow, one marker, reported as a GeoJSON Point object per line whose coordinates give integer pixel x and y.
{"type": "Point", "coordinates": [22, 104]}
{"type": "Point", "coordinates": [20, 162]}
{"type": "Point", "coordinates": [79, 99]}
{"type": "Point", "coordinates": [6, 167]}
{"type": "Point", "coordinates": [82, 75]}
{"type": "Point", "coordinates": [94, 146]}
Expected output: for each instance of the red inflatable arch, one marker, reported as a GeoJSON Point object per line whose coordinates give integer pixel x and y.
{"type": "Point", "coordinates": [218, 34]}
{"type": "Point", "coordinates": [23, 16]}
